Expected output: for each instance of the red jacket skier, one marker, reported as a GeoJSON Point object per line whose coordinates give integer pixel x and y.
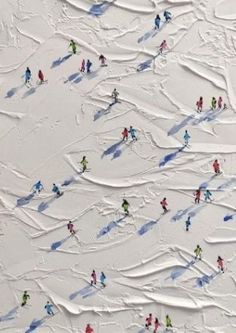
{"type": "Point", "coordinates": [197, 196]}
{"type": "Point", "coordinates": [164, 204]}
{"type": "Point", "coordinates": [70, 227]}
{"type": "Point", "coordinates": [200, 104]}
{"type": "Point", "coordinates": [216, 166]}
{"type": "Point", "coordinates": [88, 329]}
{"type": "Point", "coordinates": [82, 68]}
{"type": "Point", "coordinates": [125, 134]}
{"type": "Point", "coordinates": [41, 76]}
{"type": "Point", "coordinates": [156, 325]}
{"type": "Point", "coordinates": [220, 263]}
{"type": "Point", "coordinates": [149, 321]}
{"type": "Point", "coordinates": [93, 278]}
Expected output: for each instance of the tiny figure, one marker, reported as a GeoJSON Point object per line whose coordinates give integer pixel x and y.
{"type": "Point", "coordinates": [56, 190]}
{"type": "Point", "coordinates": [73, 46]}
{"type": "Point", "coordinates": [198, 252]}
{"type": "Point", "coordinates": [125, 206]}
{"type": "Point", "coordinates": [163, 46]}
{"type": "Point", "coordinates": [220, 101]}
{"type": "Point", "coordinates": [157, 22]}
{"type": "Point", "coordinates": [93, 277]}
{"type": "Point", "coordinates": [197, 196]}
{"type": "Point", "coordinates": [103, 60]}
{"type": "Point", "coordinates": [216, 166]}
{"type": "Point", "coordinates": [188, 223]}
{"type": "Point", "coordinates": [37, 187]}
{"type": "Point", "coordinates": [168, 321]}
{"type": "Point", "coordinates": [84, 163]}
{"type": "Point", "coordinates": [70, 227]}
{"type": "Point", "coordinates": [125, 134]}
{"type": "Point", "coordinates": [25, 298]}
{"type": "Point", "coordinates": [88, 329]}
{"type": "Point", "coordinates": [199, 104]}
{"type": "Point", "coordinates": [148, 321]}
{"type": "Point", "coordinates": [41, 77]}
{"type": "Point", "coordinates": [102, 279]}
{"type": "Point", "coordinates": [156, 325]}
{"type": "Point", "coordinates": [49, 307]}
{"type": "Point", "coordinates": [186, 138]}
{"type": "Point", "coordinates": [220, 263]}
{"type": "Point", "coordinates": [164, 205]}
{"type": "Point", "coordinates": [88, 66]}
{"type": "Point", "coordinates": [207, 195]}
{"type": "Point", "coordinates": [132, 132]}
{"type": "Point", "coordinates": [82, 67]}
{"type": "Point", "coordinates": [213, 103]}
{"type": "Point", "coordinates": [115, 95]}
{"type": "Point", "coordinates": [167, 15]}
{"type": "Point", "coordinates": [27, 75]}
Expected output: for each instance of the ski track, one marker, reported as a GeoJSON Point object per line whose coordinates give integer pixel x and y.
{"type": "Point", "coordinates": [46, 129]}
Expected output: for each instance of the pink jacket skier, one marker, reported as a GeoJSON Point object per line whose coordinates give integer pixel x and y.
{"type": "Point", "coordinates": [103, 60]}
{"type": "Point", "coordinates": [164, 204]}
{"type": "Point", "coordinates": [82, 68]}
{"type": "Point", "coordinates": [199, 104]}
{"type": "Point", "coordinates": [93, 278]}
{"type": "Point", "coordinates": [220, 263]}
{"type": "Point", "coordinates": [197, 195]}
{"type": "Point", "coordinates": [163, 46]}
{"type": "Point", "coordinates": [216, 166]}
{"type": "Point", "coordinates": [148, 321]}
{"type": "Point", "coordinates": [156, 325]}
{"type": "Point", "coordinates": [220, 102]}
{"type": "Point", "coordinates": [70, 227]}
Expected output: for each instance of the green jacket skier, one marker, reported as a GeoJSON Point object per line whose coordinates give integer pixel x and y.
{"type": "Point", "coordinates": [25, 298]}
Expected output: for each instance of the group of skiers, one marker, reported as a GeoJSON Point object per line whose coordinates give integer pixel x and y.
{"type": "Point", "coordinates": [219, 261]}
{"type": "Point", "coordinates": [126, 132]}
{"type": "Point", "coordinates": [28, 76]}
{"type": "Point", "coordinates": [94, 278]}
{"type": "Point", "coordinates": [156, 323]}
{"type": "Point", "coordinates": [167, 15]}
{"type": "Point", "coordinates": [214, 104]}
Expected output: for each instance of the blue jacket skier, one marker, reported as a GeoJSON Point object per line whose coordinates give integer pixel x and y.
{"type": "Point", "coordinates": [48, 307]}
{"type": "Point", "coordinates": [188, 223]}
{"type": "Point", "coordinates": [167, 15]}
{"type": "Point", "coordinates": [102, 279]}
{"type": "Point", "coordinates": [157, 22]}
{"type": "Point", "coordinates": [56, 190]}
{"type": "Point", "coordinates": [37, 187]}
{"type": "Point", "coordinates": [27, 75]}
{"type": "Point", "coordinates": [208, 195]}
{"type": "Point", "coordinates": [88, 66]}
{"type": "Point", "coordinates": [132, 132]}
{"type": "Point", "coordinates": [186, 138]}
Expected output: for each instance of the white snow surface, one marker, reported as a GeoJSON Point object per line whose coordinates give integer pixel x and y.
{"type": "Point", "coordinates": [47, 129]}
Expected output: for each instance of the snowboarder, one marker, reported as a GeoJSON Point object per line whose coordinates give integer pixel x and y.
{"type": "Point", "coordinates": [156, 325]}
{"type": "Point", "coordinates": [220, 263]}
{"type": "Point", "coordinates": [188, 223]}
{"type": "Point", "coordinates": [199, 104]}
{"type": "Point", "coordinates": [157, 22]}
{"type": "Point", "coordinates": [115, 95]}
{"type": "Point", "coordinates": [93, 277]}
{"type": "Point", "coordinates": [216, 166]}
{"type": "Point", "coordinates": [56, 190]}
{"type": "Point", "coordinates": [88, 329]}
{"type": "Point", "coordinates": [220, 101]}
{"type": "Point", "coordinates": [125, 134]}
{"type": "Point", "coordinates": [208, 195]}
{"type": "Point", "coordinates": [82, 67]}
{"type": "Point", "coordinates": [163, 46]}
{"type": "Point", "coordinates": [168, 321]}
{"type": "Point", "coordinates": [73, 46]}
{"type": "Point", "coordinates": [186, 138]}
{"type": "Point", "coordinates": [148, 321]}
{"type": "Point", "coordinates": [132, 133]}
{"type": "Point", "coordinates": [125, 206]}
{"type": "Point", "coordinates": [41, 77]}
{"type": "Point", "coordinates": [25, 298]}
{"type": "Point", "coordinates": [197, 196]}
{"type": "Point", "coordinates": [88, 66]}
{"type": "Point", "coordinates": [163, 205]}
{"type": "Point", "coordinates": [27, 75]}
{"type": "Point", "coordinates": [167, 16]}
{"type": "Point", "coordinates": [213, 103]}
{"type": "Point", "coordinates": [102, 279]}
{"type": "Point", "coordinates": [103, 60]}
{"type": "Point", "coordinates": [49, 307]}
{"type": "Point", "coordinates": [70, 227]}
{"type": "Point", "coordinates": [37, 187]}
{"type": "Point", "coordinates": [84, 163]}
{"type": "Point", "coordinates": [198, 252]}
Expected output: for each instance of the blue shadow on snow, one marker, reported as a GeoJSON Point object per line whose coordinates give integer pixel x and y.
{"type": "Point", "coordinates": [29, 92]}
{"type": "Point", "coordinates": [146, 227]}
{"type": "Point", "coordinates": [57, 244]}
{"type": "Point", "coordinates": [229, 217]}
{"type": "Point", "coordinates": [102, 112]}
{"type": "Point", "coordinates": [109, 227]}
{"type": "Point", "coordinates": [34, 325]}
{"type": "Point", "coordinates": [144, 65]}
{"type": "Point", "coordinates": [176, 273]}
{"type": "Point", "coordinates": [24, 200]}
{"type": "Point", "coordinates": [13, 91]}
{"type": "Point", "coordinates": [84, 292]}
{"type": "Point", "coordinates": [205, 279]}
{"type": "Point", "coordinates": [148, 34]}
{"type": "Point", "coordinates": [170, 157]}
{"type": "Point", "coordinates": [175, 129]}
{"type": "Point", "coordinates": [10, 315]}
{"type": "Point", "coordinates": [112, 149]}
{"type": "Point", "coordinates": [60, 61]}
{"type": "Point", "coordinates": [99, 9]}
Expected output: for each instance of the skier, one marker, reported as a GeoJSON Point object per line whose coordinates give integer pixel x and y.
{"type": "Point", "coordinates": [102, 279]}
{"type": "Point", "coordinates": [157, 22]}
{"type": "Point", "coordinates": [84, 163]}
{"type": "Point", "coordinates": [220, 101]}
{"type": "Point", "coordinates": [88, 66]}
{"type": "Point", "coordinates": [93, 277]}
{"type": "Point", "coordinates": [208, 195]}
{"type": "Point", "coordinates": [27, 75]}
{"type": "Point", "coordinates": [213, 103]}
{"type": "Point", "coordinates": [186, 138]}
{"type": "Point", "coordinates": [216, 166]}
{"type": "Point", "coordinates": [163, 205]}
{"type": "Point", "coordinates": [70, 227]}
{"type": "Point", "coordinates": [148, 321]}
{"type": "Point", "coordinates": [82, 68]}
{"type": "Point", "coordinates": [168, 321]}
{"type": "Point", "coordinates": [115, 95]}
{"type": "Point", "coordinates": [125, 134]}
{"type": "Point", "coordinates": [198, 252]}
{"type": "Point", "coordinates": [220, 263]}
{"type": "Point", "coordinates": [48, 307]}
{"type": "Point", "coordinates": [125, 206]}
{"type": "Point", "coordinates": [41, 77]}
{"type": "Point", "coordinates": [25, 298]}
{"type": "Point", "coordinates": [167, 16]}
{"type": "Point", "coordinates": [132, 133]}
{"type": "Point", "coordinates": [199, 104]}
{"type": "Point", "coordinates": [197, 196]}
{"type": "Point", "coordinates": [103, 60]}
{"type": "Point", "coordinates": [188, 223]}
{"type": "Point", "coordinates": [163, 46]}
{"type": "Point", "coordinates": [156, 325]}
{"type": "Point", "coordinates": [56, 190]}
{"type": "Point", "coordinates": [73, 46]}
{"type": "Point", "coordinates": [37, 187]}
{"type": "Point", "coordinates": [88, 329]}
